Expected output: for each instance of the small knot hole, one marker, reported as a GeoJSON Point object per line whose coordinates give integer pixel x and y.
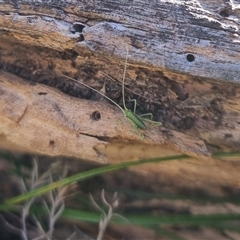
{"type": "Point", "coordinates": [190, 58]}
{"type": "Point", "coordinates": [96, 116]}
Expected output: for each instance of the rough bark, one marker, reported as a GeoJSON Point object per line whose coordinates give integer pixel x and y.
{"type": "Point", "coordinates": [183, 58]}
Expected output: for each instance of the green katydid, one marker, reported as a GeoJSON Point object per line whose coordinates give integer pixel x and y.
{"type": "Point", "coordinates": [136, 120]}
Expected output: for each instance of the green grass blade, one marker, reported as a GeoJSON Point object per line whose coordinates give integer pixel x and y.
{"type": "Point", "coordinates": [94, 172]}
{"type": "Point", "coordinates": [83, 176]}
{"type": "Point", "coordinates": [146, 220]}
{"type": "Point", "coordinates": [225, 154]}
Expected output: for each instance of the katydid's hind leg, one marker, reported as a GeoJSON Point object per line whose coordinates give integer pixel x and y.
{"type": "Point", "coordinates": [151, 121]}
{"type": "Point", "coordinates": [146, 114]}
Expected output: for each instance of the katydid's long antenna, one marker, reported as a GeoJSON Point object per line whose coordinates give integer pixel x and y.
{"type": "Point", "coordinates": [94, 91]}
{"type": "Point", "coordinates": [123, 81]}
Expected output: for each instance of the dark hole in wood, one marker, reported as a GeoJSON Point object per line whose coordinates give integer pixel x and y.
{"type": "Point", "coordinates": [42, 93]}
{"type": "Point", "coordinates": [228, 135]}
{"type": "Point", "coordinates": [188, 122]}
{"type": "Point", "coordinates": [81, 38]}
{"type": "Point", "coordinates": [96, 116]}
{"type": "Point", "coordinates": [51, 143]}
{"type": "Point", "coordinates": [225, 13]}
{"type": "Point", "coordinates": [190, 57]}
{"type": "Point", "coordinates": [77, 27]}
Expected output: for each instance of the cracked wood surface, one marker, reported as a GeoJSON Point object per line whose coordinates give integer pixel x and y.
{"type": "Point", "coordinates": [175, 47]}
{"type": "Point", "coordinates": [38, 118]}
{"type": "Point", "coordinates": [196, 37]}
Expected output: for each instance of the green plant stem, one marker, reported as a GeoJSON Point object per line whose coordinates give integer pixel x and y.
{"type": "Point", "coordinates": [85, 175]}
{"type": "Point", "coordinates": [8, 204]}
{"type": "Point", "coordinates": [199, 219]}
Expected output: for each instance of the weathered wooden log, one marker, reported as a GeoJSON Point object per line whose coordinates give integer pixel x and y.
{"type": "Point", "coordinates": [38, 118]}
{"type": "Point", "coordinates": [183, 66]}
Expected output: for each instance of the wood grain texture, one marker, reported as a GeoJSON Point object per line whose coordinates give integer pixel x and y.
{"type": "Point", "coordinates": [183, 58]}
{"type": "Point", "coordinates": [191, 37]}
{"type": "Point", "coordinates": [40, 119]}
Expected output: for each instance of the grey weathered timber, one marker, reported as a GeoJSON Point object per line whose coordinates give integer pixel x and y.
{"type": "Point", "coordinates": [183, 66]}
{"type": "Point", "coordinates": [199, 38]}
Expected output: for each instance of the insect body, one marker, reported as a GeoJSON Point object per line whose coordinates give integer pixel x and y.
{"type": "Point", "coordinates": [136, 120]}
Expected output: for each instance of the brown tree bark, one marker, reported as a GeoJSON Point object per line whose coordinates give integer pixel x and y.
{"type": "Point", "coordinates": [183, 66]}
